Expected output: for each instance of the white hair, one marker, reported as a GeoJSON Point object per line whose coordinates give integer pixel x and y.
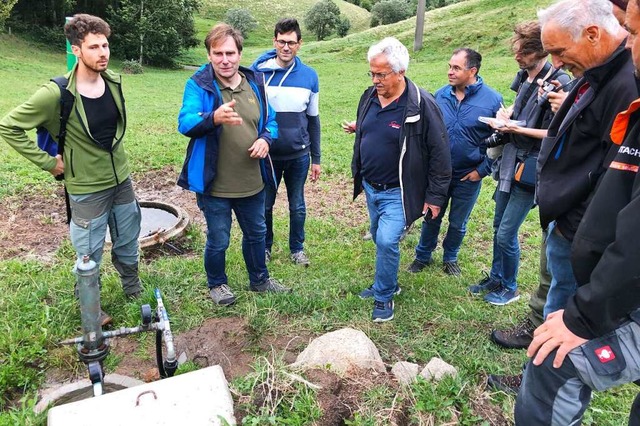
{"type": "Point", "coordinates": [576, 15]}
{"type": "Point", "coordinates": [396, 53]}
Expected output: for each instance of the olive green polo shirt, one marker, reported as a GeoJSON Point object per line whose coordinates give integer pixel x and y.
{"type": "Point", "coordinates": [238, 175]}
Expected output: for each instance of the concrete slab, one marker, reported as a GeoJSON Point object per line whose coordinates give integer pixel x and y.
{"type": "Point", "coordinates": [197, 398]}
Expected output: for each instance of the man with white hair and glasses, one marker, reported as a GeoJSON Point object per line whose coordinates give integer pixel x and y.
{"type": "Point", "coordinates": [401, 159]}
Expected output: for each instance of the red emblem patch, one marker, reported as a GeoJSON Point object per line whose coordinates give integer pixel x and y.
{"type": "Point", "coordinates": [605, 354]}
{"type": "Point", "coordinates": [394, 125]}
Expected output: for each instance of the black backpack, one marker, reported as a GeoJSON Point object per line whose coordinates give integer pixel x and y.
{"type": "Point", "coordinates": [47, 143]}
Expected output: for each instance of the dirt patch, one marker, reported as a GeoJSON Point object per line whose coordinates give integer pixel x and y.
{"type": "Point", "coordinates": [35, 223]}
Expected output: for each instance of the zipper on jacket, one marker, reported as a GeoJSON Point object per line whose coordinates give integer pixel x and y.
{"type": "Point", "coordinates": [113, 166]}
{"type": "Point", "coordinates": [71, 161]}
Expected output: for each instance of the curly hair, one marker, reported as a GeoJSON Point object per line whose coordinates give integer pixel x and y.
{"type": "Point", "coordinates": [82, 24]}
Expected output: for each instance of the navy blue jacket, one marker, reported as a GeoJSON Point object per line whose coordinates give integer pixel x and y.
{"type": "Point", "coordinates": [201, 98]}
{"type": "Point", "coordinates": [466, 133]}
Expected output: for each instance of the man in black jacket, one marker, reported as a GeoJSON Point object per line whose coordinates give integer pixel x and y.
{"type": "Point", "coordinates": [401, 159]}
{"type": "Point", "coordinates": [600, 325]}
{"type": "Point", "coordinates": [574, 154]}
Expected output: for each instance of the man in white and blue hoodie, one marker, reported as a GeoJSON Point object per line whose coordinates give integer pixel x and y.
{"type": "Point", "coordinates": [292, 88]}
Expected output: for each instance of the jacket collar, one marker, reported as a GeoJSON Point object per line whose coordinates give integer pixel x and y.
{"type": "Point", "coordinates": [469, 90]}
{"type": "Point", "coordinates": [601, 74]}
{"type": "Point", "coordinates": [621, 123]}
{"type": "Point", "coordinates": [108, 75]}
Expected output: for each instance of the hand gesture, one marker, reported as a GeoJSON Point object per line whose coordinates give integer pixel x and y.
{"type": "Point", "coordinates": [259, 149]}
{"type": "Point", "coordinates": [226, 114]}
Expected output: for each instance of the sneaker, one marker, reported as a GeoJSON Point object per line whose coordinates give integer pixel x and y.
{"type": "Point", "coordinates": [368, 292]}
{"type": "Point", "coordinates": [105, 318]}
{"type": "Point", "coordinates": [417, 266]}
{"type": "Point", "coordinates": [382, 311]}
{"type": "Point", "coordinates": [222, 295]}
{"type": "Point", "coordinates": [485, 285]}
{"type": "Point", "coordinates": [502, 296]}
{"type": "Point", "coordinates": [270, 285]}
{"type": "Point", "coordinates": [451, 268]}
{"type": "Point", "coordinates": [367, 236]}
{"type": "Point", "coordinates": [300, 258]}
{"type": "Point", "coordinates": [267, 255]}
{"type": "Point", "coordinates": [519, 337]}
{"type": "Point", "coordinates": [506, 384]}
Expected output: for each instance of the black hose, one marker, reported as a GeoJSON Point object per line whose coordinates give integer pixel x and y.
{"type": "Point", "coordinates": [163, 373]}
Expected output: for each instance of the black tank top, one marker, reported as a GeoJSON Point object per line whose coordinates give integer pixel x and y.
{"type": "Point", "coordinates": [102, 116]}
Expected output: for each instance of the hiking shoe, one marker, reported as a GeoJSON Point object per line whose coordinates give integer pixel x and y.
{"type": "Point", "coordinates": [368, 292]}
{"type": "Point", "coordinates": [485, 285]}
{"type": "Point", "coordinates": [270, 285]}
{"type": "Point", "coordinates": [222, 295]}
{"type": "Point", "coordinates": [267, 255]}
{"type": "Point", "coordinates": [502, 296]}
{"type": "Point", "coordinates": [300, 258]}
{"type": "Point", "coordinates": [518, 337]}
{"type": "Point", "coordinates": [367, 236]}
{"type": "Point", "coordinates": [506, 384]}
{"type": "Point", "coordinates": [382, 311]}
{"type": "Point", "coordinates": [417, 266]}
{"type": "Point", "coordinates": [133, 295]}
{"type": "Point", "coordinates": [105, 318]}
{"type": "Point", "coordinates": [451, 268]}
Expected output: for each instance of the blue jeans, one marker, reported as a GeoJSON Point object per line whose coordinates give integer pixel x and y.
{"type": "Point", "coordinates": [463, 196]}
{"type": "Point", "coordinates": [563, 283]}
{"type": "Point", "coordinates": [295, 175]}
{"type": "Point", "coordinates": [249, 212]}
{"type": "Point", "coordinates": [511, 210]}
{"type": "Point", "coordinates": [387, 223]}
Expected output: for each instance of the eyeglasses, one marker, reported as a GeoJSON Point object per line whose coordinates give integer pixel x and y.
{"type": "Point", "coordinates": [379, 75]}
{"type": "Point", "coordinates": [291, 44]}
{"type": "Point", "coordinates": [456, 68]}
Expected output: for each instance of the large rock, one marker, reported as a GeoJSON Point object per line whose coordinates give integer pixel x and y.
{"type": "Point", "coordinates": [340, 351]}
{"type": "Point", "coordinates": [436, 369]}
{"type": "Point", "coordinates": [405, 372]}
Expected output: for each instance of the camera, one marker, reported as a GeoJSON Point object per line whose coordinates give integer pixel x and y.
{"type": "Point", "coordinates": [546, 88]}
{"type": "Point", "coordinates": [495, 139]}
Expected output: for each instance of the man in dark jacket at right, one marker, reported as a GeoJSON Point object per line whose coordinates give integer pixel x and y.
{"type": "Point", "coordinates": [600, 325]}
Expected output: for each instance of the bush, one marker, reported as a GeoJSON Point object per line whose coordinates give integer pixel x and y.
{"type": "Point", "coordinates": [241, 20]}
{"type": "Point", "coordinates": [365, 4]}
{"type": "Point", "coordinates": [390, 11]}
{"type": "Point", "coordinates": [132, 67]}
{"type": "Point", "coordinates": [343, 26]}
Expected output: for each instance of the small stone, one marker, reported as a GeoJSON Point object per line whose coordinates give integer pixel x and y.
{"type": "Point", "coordinates": [436, 369]}
{"type": "Point", "coordinates": [405, 372]}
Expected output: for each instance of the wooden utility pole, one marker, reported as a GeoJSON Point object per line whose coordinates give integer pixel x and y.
{"type": "Point", "coordinates": [417, 42]}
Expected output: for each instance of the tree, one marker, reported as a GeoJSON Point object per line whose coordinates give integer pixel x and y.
{"type": "Point", "coordinates": [322, 18]}
{"type": "Point", "coordinates": [390, 11]}
{"type": "Point", "coordinates": [241, 20]}
{"type": "Point", "coordinates": [343, 26]}
{"type": "Point", "coordinates": [152, 31]}
{"type": "Point", "coordinates": [5, 11]}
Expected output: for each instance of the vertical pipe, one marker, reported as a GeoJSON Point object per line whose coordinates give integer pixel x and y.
{"type": "Point", "coordinates": [89, 296]}
{"type": "Point", "coordinates": [71, 58]}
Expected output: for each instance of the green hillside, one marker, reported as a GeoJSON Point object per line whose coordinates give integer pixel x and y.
{"type": "Point", "coordinates": [268, 12]}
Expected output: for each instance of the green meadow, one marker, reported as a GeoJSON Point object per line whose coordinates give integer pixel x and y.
{"type": "Point", "coordinates": [435, 315]}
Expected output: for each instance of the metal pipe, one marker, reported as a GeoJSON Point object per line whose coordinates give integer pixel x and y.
{"type": "Point", "coordinates": [163, 318]}
{"type": "Point", "coordinates": [89, 296]}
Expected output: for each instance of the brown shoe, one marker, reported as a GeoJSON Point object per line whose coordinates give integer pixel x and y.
{"type": "Point", "coordinates": [105, 318]}
{"type": "Point", "coordinates": [518, 337]}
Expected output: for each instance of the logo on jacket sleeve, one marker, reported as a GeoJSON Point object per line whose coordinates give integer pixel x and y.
{"type": "Point", "coordinates": [605, 354]}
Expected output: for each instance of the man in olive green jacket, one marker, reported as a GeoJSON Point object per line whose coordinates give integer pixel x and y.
{"type": "Point", "coordinates": [94, 163]}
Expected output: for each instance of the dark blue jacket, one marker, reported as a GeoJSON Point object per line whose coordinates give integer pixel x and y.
{"type": "Point", "coordinates": [293, 93]}
{"type": "Point", "coordinates": [465, 132]}
{"type": "Point", "coordinates": [201, 98]}
{"type": "Point", "coordinates": [424, 163]}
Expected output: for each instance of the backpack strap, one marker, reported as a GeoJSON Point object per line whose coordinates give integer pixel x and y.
{"type": "Point", "coordinates": [66, 105]}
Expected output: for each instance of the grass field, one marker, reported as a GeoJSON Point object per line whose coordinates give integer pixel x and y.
{"type": "Point", "coordinates": [435, 314]}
